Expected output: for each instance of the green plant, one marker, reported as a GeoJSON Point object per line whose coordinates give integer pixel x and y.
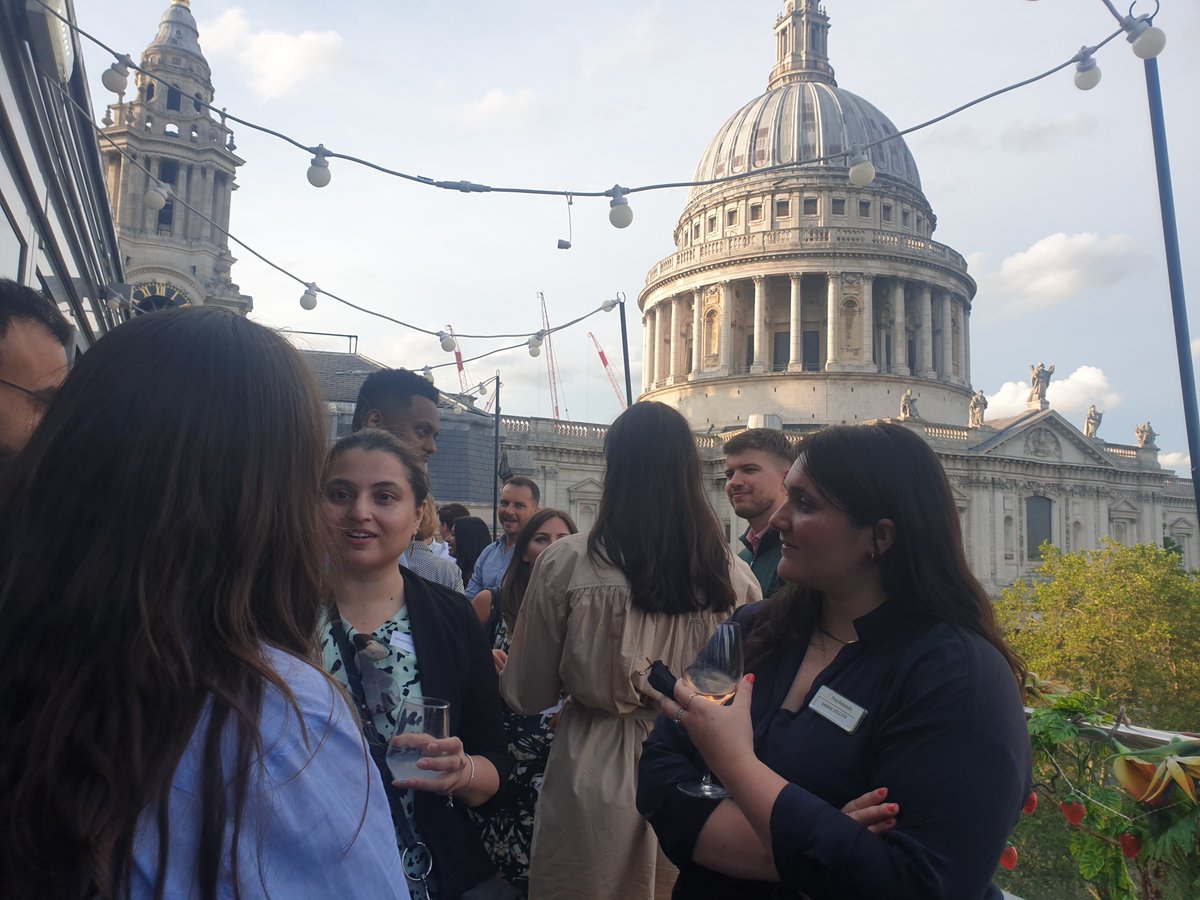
{"type": "Point", "coordinates": [1132, 814]}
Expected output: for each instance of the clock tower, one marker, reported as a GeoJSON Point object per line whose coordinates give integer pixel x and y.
{"type": "Point", "coordinates": [173, 256]}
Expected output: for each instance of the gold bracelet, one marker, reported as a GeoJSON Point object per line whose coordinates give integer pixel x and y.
{"type": "Point", "coordinates": [470, 777]}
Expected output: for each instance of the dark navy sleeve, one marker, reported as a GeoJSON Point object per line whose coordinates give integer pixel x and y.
{"type": "Point", "coordinates": [954, 752]}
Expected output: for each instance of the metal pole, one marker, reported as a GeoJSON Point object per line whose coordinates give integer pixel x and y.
{"type": "Point", "coordinates": [496, 458]}
{"type": "Point", "coordinates": [625, 354]}
{"type": "Point", "coordinates": [1166, 202]}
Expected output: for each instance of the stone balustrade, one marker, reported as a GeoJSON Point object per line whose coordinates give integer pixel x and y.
{"type": "Point", "coordinates": [790, 239]}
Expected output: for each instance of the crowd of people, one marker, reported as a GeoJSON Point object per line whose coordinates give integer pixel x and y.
{"type": "Point", "coordinates": [239, 662]}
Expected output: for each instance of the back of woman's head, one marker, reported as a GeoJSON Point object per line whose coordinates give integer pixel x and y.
{"type": "Point", "coordinates": [516, 576]}
{"type": "Point", "coordinates": [163, 525]}
{"type": "Point", "coordinates": [655, 521]}
{"type": "Point", "coordinates": [885, 471]}
{"type": "Point", "coordinates": [471, 537]}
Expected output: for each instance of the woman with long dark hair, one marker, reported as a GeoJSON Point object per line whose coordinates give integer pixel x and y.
{"type": "Point", "coordinates": [164, 728]}
{"type": "Point", "coordinates": [597, 606]}
{"type": "Point", "coordinates": [391, 637]}
{"type": "Point", "coordinates": [508, 831]}
{"type": "Point", "coordinates": [469, 536]}
{"type": "Point", "coordinates": [880, 665]}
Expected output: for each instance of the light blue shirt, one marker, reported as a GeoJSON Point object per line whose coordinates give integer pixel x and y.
{"type": "Point", "coordinates": [490, 567]}
{"type": "Point", "coordinates": [316, 823]}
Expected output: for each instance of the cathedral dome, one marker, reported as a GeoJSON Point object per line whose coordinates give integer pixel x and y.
{"type": "Point", "coordinates": [177, 31]}
{"type": "Point", "coordinates": [805, 119]}
{"type": "Point", "coordinates": [804, 115]}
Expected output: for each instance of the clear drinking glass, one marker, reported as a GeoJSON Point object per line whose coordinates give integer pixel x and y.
{"type": "Point", "coordinates": [714, 676]}
{"type": "Point", "coordinates": [421, 722]}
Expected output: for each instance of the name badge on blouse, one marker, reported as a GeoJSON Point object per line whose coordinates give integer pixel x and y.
{"type": "Point", "coordinates": [843, 713]}
{"type": "Point", "coordinates": [403, 642]}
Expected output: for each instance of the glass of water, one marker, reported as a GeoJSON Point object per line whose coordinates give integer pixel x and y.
{"type": "Point", "coordinates": [421, 722]}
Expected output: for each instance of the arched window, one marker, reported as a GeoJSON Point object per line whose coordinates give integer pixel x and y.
{"type": "Point", "coordinates": [712, 333]}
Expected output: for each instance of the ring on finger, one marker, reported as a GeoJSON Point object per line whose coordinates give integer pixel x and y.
{"type": "Point", "coordinates": [679, 715]}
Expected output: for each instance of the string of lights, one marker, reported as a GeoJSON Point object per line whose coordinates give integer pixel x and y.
{"type": "Point", "coordinates": [1147, 41]}
{"type": "Point", "coordinates": [861, 171]}
{"type": "Point", "coordinates": [532, 340]}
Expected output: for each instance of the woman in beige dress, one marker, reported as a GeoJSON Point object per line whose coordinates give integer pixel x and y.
{"type": "Point", "coordinates": [598, 607]}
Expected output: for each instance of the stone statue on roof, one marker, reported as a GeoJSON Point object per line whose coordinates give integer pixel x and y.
{"type": "Point", "coordinates": [1039, 377]}
{"type": "Point", "coordinates": [1145, 435]}
{"type": "Point", "coordinates": [1091, 424]}
{"type": "Point", "coordinates": [978, 405]}
{"type": "Point", "coordinates": [908, 406]}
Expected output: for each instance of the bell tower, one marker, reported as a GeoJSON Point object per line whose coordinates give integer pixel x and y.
{"type": "Point", "coordinates": [173, 257]}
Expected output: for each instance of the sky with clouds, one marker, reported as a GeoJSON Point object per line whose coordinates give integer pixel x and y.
{"type": "Point", "coordinates": [1048, 191]}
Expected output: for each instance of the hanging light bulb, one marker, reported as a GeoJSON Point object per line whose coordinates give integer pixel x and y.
{"type": "Point", "coordinates": [116, 76]}
{"type": "Point", "coordinates": [308, 300]}
{"type": "Point", "coordinates": [862, 171]}
{"type": "Point", "coordinates": [620, 213]}
{"type": "Point", "coordinates": [610, 304]}
{"type": "Point", "coordinates": [318, 169]}
{"type": "Point", "coordinates": [447, 341]}
{"type": "Point", "coordinates": [483, 389]}
{"type": "Point", "coordinates": [428, 374]}
{"type": "Point", "coordinates": [156, 197]}
{"type": "Point", "coordinates": [535, 351]}
{"type": "Point", "coordinates": [1148, 40]}
{"type": "Point", "coordinates": [1087, 73]}
{"type": "Point", "coordinates": [535, 343]}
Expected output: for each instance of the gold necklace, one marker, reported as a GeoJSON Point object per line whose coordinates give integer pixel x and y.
{"type": "Point", "coordinates": [836, 638]}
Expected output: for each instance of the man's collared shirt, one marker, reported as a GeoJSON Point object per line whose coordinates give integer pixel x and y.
{"type": "Point", "coordinates": [490, 567]}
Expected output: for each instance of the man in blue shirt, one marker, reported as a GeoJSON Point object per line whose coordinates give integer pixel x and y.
{"type": "Point", "coordinates": [519, 499]}
{"type": "Point", "coordinates": [756, 462]}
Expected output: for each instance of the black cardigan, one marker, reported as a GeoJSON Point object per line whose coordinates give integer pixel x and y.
{"type": "Point", "coordinates": [455, 664]}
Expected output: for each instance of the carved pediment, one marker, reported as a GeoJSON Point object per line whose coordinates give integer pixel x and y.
{"type": "Point", "coordinates": [1045, 437]}
{"type": "Point", "coordinates": [589, 488]}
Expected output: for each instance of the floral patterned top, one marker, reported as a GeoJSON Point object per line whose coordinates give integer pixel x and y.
{"type": "Point", "coordinates": [401, 664]}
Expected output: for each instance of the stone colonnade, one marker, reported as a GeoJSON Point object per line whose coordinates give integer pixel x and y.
{"type": "Point", "coordinates": [866, 323]}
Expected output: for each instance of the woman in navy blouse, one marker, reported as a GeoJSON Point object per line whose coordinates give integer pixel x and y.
{"type": "Point", "coordinates": [880, 665]}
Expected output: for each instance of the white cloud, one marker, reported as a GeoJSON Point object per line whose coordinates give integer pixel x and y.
{"type": "Point", "coordinates": [1177, 460]}
{"type": "Point", "coordinates": [637, 42]}
{"type": "Point", "coordinates": [1061, 267]}
{"type": "Point", "coordinates": [496, 108]}
{"type": "Point", "coordinates": [1032, 137]}
{"type": "Point", "coordinates": [1069, 396]}
{"type": "Point", "coordinates": [273, 62]}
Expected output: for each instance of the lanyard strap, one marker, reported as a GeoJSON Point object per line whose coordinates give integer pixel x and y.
{"type": "Point", "coordinates": [376, 742]}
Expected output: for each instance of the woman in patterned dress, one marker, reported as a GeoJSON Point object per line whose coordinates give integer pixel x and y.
{"type": "Point", "coordinates": [508, 831]}
{"type": "Point", "coordinates": [420, 640]}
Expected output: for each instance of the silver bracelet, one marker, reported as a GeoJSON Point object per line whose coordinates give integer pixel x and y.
{"type": "Point", "coordinates": [470, 778]}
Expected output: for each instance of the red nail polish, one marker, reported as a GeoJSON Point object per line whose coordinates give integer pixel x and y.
{"type": "Point", "coordinates": [882, 792]}
{"type": "Point", "coordinates": [750, 678]}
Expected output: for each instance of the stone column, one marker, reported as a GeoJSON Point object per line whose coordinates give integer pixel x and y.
{"type": "Point", "coordinates": [832, 329]}
{"type": "Point", "coordinates": [868, 314]}
{"type": "Point", "coordinates": [648, 320]}
{"type": "Point", "coordinates": [676, 339]}
{"type": "Point", "coordinates": [661, 337]}
{"type": "Point", "coordinates": [760, 325]}
{"type": "Point", "coordinates": [965, 334]}
{"type": "Point", "coordinates": [725, 357]}
{"type": "Point", "coordinates": [924, 367]}
{"type": "Point", "coordinates": [947, 338]}
{"type": "Point", "coordinates": [796, 359]}
{"type": "Point", "coordinates": [899, 330]}
{"type": "Point", "coordinates": [697, 331]}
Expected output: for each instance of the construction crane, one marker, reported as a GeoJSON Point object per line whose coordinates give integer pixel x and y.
{"type": "Point", "coordinates": [464, 381]}
{"type": "Point", "coordinates": [612, 379]}
{"type": "Point", "coordinates": [551, 362]}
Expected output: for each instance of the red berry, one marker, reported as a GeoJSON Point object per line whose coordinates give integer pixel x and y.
{"type": "Point", "coordinates": [1073, 810]}
{"type": "Point", "coordinates": [1008, 858]}
{"type": "Point", "coordinates": [1131, 845]}
{"type": "Point", "coordinates": [1030, 806]}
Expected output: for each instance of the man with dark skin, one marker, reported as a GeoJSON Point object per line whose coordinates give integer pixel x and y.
{"type": "Point", "coordinates": [403, 403]}
{"type": "Point", "coordinates": [33, 363]}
